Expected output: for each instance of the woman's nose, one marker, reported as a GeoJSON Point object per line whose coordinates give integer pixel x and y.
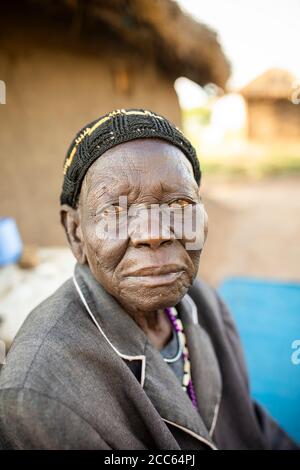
{"type": "Point", "coordinates": [151, 233]}
{"type": "Point", "coordinates": [151, 240]}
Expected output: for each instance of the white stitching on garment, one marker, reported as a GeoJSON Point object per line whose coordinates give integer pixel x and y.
{"type": "Point", "coordinates": [214, 421]}
{"type": "Point", "coordinates": [217, 407]}
{"type": "Point", "coordinates": [142, 358]}
{"type": "Point", "coordinates": [196, 436]}
{"type": "Point", "coordinates": [125, 356]}
{"type": "Point", "coordinates": [193, 308]}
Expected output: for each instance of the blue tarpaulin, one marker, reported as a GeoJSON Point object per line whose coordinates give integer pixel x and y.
{"type": "Point", "coordinates": [267, 315]}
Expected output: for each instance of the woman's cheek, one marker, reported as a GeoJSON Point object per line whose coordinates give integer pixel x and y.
{"type": "Point", "coordinates": [107, 249]}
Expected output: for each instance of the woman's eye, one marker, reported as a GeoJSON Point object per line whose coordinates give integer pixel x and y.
{"type": "Point", "coordinates": [179, 203]}
{"type": "Point", "coordinates": [108, 211]}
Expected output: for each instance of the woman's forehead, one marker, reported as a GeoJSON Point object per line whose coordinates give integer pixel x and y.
{"type": "Point", "coordinates": [144, 162]}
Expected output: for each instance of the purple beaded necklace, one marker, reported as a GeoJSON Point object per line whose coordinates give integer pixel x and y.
{"type": "Point", "coordinates": [187, 383]}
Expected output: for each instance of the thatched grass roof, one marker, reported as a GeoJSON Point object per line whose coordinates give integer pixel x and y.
{"type": "Point", "coordinates": [273, 84]}
{"type": "Point", "coordinates": [179, 44]}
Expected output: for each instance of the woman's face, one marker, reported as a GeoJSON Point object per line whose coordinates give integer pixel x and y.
{"type": "Point", "coordinates": [145, 264]}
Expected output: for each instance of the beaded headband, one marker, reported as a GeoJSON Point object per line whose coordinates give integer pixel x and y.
{"type": "Point", "coordinates": [90, 130]}
{"type": "Point", "coordinates": [110, 130]}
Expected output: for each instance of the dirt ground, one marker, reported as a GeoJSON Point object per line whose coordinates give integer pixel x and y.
{"type": "Point", "coordinates": [254, 228]}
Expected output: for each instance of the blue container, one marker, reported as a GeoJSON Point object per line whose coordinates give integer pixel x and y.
{"type": "Point", "coordinates": [10, 241]}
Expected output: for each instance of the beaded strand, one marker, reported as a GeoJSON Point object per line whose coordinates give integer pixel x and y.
{"type": "Point", "coordinates": [187, 383]}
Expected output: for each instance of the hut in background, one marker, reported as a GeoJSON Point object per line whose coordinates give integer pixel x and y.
{"type": "Point", "coordinates": [65, 63]}
{"type": "Point", "coordinates": [271, 112]}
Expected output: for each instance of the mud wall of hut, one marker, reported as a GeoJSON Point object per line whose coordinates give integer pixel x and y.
{"type": "Point", "coordinates": [54, 87]}
{"type": "Point", "coordinates": [273, 119]}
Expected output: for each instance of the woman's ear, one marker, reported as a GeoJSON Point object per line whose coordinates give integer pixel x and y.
{"type": "Point", "coordinates": [70, 220]}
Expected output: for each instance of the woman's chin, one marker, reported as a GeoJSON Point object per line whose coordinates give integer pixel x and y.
{"type": "Point", "coordinates": [147, 300]}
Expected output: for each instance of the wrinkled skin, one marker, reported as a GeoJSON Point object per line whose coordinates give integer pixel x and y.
{"type": "Point", "coordinates": [148, 171]}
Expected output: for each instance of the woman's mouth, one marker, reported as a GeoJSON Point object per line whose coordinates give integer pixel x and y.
{"type": "Point", "coordinates": [153, 276]}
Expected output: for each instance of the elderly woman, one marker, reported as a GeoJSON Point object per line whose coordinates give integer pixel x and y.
{"type": "Point", "coordinates": [133, 352]}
